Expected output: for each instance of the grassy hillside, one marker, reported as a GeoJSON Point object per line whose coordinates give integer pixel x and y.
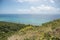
{"type": "Point", "coordinates": [7, 29]}
{"type": "Point", "coordinates": [47, 31]}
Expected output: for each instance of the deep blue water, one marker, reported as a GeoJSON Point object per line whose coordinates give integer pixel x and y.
{"type": "Point", "coordinates": [34, 19]}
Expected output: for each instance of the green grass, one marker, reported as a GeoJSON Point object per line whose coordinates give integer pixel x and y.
{"type": "Point", "coordinates": [47, 31]}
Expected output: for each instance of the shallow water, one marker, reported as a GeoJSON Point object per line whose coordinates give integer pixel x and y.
{"type": "Point", "coordinates": [28, 18]}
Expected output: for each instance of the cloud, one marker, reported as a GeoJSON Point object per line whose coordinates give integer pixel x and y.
{"type": "Point", "coordinates": [27, 1]}
{"type": "Point", "coordinates": [35, 1]}
{"type": "Point", "coordinates": [52, 1]}
{"type": "Point", "coordinates": [8, 11]}
{"type": "Point", "coordinates": [45, 9]}
{"type": "Point", "coordinates": [35, 7]}
{"type": "Point", "coordinates": [42, 9]}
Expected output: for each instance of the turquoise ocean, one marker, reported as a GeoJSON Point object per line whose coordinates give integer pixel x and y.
{"type": "Point", "coordinates": [34, 19]}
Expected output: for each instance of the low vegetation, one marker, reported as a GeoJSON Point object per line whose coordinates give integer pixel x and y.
{"type": "Point", "coordinates": [13, 31]}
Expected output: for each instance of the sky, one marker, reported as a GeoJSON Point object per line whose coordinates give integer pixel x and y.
{"type": "Point", "coordinates": [29, 6]}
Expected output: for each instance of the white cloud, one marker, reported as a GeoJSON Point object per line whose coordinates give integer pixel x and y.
{"type": "Point", "coordinates": [8, 11]}
{"type": "Point", "coordinates": [27, 1]}
{"type": "Point", "coordinates": [40, 9]}
{"type": "Point", "coordinates": [43, 9]}
{"type": "Point", "coordinates": [52, 1]}
{"type": "Point", "coordinates": [35, 1]}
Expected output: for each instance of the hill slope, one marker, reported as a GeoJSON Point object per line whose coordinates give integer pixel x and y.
{"type": "Point", "coordinates": [8, 28]}
{"type": "Point", "coordinates": [47, 31]}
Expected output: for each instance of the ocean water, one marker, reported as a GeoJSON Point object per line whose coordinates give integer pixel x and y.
{"type": "Point", "coordinates": [34, 19]}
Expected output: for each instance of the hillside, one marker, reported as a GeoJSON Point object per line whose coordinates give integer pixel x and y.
{"type": "Point", "coordinates": [8, 28]}
{"type": "Point", "coordinates": [13, 31]}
